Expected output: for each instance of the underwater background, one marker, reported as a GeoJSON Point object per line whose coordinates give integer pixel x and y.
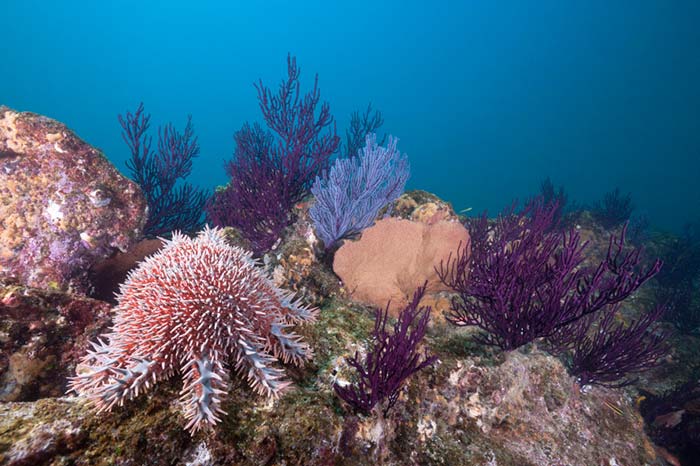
{"type": "Point", "coordinates": [487, 98]}
{"type": "Point", "coordinates": [345, 303]}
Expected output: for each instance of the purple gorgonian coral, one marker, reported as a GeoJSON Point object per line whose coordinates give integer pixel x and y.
{"type": "Point", "coordinates": [171, 205]}
{"type": "Point", "coordinates": [273, 170]}
{"type": "Point", "coordinates": [391, 359]}
{"type": "Point", "coordinates": [524, 280]}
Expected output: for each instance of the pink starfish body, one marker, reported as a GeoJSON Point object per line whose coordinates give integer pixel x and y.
{"type": "Point", "coordinates": [196, 307]}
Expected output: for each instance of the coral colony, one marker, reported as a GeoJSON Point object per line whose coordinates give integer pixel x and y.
{"type": "Point", "coordinates": [349, 197]}
{"type": "Point", "coordinates": [268, 174]}
{"type": "Point", "coordinates": [170, 206]}
{"type": "Point", "coordinates": [392, 359]}
{"type": "Point", "coordinates": [192, 308]}
{"type": "Point", "coordinates": [360, 127]}
{"type": "Point", "coordinates": [524, 281]}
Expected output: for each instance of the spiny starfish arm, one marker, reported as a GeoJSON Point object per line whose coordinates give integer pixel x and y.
{"type": "Point", "coordinates": [255, 363]}
{"type": "Point", "coordinates": [110, 385]}
{"type": "Point", "coordinates": [205, 383]}
{"type": "Point", "coordinates": [288, 347]}
{"type": "Point", "coordinates": [97, 365]}
{"type": "Point", "coordinates": [293, 309]}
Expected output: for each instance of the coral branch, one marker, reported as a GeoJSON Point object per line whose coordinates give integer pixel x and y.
{"type": "Point", "coordinates": [391, 360]}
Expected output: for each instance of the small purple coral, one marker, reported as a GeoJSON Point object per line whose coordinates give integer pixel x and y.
{"type": "Point", "coordinates": [391, 360]}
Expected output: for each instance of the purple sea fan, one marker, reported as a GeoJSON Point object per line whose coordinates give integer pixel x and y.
{"type": "Point", "coordinates": [171, 206]}
{"type": "Point", "coordinates": [607, 353]}
{"type": "Point", "coordinates": [270, 174]}
{"type": "Point", "coordinates": [196, 307]}
{"type": "Point", "coordinates": [391, 360]}
{"type": "Point", "coordinates": [524, 281]}
{"type": "Point", "coordinates": [349, 197]}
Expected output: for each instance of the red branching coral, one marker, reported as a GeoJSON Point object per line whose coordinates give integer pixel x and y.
{"type": "Point", "coordinates": [194, 307]}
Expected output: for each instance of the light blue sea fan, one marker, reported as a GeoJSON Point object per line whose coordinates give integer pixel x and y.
{"type": "Point", "coordinates": [349, 197]}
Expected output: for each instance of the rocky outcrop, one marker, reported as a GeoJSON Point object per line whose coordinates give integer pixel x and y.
{"type": "Point", "coordinates": [63, 205]}
{"type": "Point", "coordinates": [43, 333]}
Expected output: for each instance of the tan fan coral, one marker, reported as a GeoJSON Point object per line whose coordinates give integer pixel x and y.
{"type": "Point", "coordinates": [394, 257]}
{"type": "Point", "coordinates": [196, 307]}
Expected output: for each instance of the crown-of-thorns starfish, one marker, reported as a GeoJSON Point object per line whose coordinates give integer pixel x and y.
{"type": "Point", "coordinates": [195, 307]}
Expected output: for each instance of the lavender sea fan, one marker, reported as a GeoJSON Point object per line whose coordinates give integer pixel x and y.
{"type": "Point", "coordinates": [349, 197]}
{"type": "Point", "coordinates": [391, 360]}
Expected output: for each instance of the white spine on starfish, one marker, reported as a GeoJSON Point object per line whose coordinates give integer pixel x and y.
{"type": "Point", "coordinates": [109, 380]}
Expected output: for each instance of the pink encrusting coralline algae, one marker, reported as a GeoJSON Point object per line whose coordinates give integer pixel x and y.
{"type": "Point", "coordinates": [195, 307]}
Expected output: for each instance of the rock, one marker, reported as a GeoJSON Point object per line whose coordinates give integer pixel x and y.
{"type": "Point", "coordinates": [478, 407]}
{"type": "Point", "coordinates": [64, 205]}
{"type": "Point", "coordinates": [108, 274]}
{"type": "Point", "coordinates": [43, 333]}
{"type": "Point", "coordinates": [423, 207]}
{"type": "Point", "coordinates": [296, 262]}
{"type": "Point", "coordinates": [40, 431]}
{"type": "Point", "coordinates": [394, 257]}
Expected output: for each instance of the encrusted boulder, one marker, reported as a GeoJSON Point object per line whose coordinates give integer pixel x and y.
{"type": "Point", "coordinates": [42, 335]}
{"type": "Point", "coordinates": [423, 207]}
{"type": "Point", "coordinates": [63, 205]}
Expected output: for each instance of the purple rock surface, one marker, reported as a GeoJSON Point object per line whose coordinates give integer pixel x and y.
{"type": "Point", "coordinates": [63, 205]}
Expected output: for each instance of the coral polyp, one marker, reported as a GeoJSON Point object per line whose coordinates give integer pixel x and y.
{"type": "Point", "coordinates": [198, 307]}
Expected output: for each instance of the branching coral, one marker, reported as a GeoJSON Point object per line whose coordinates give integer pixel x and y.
{"type": "Point", "coordinates": [604, 352]}
{"type": "Point", "coordinates": [360, 127]}
{"type": "Point", "coordinates": [614, 210]}
{"type": "Point", "coordinates": [269, 174]}
{"type": "Point", "coordinates": [524, 281]}
{"type": "Point", "coordinates": [170, 206]}
{"type": "Point", "coordinates": [391, 360]}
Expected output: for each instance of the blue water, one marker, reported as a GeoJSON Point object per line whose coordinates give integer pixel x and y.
{"type": "Point", "coordinates": [487, 98]}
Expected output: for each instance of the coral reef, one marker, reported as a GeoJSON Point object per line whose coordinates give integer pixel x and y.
{"type": "Point", "coordinates": [475, 405]}
{"type": "Point", "coordinates": [64, 206]}
{"type": "Point", "coordinates": [202, 307]}
{"type": "Point", "coordinates": [193, 307]}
